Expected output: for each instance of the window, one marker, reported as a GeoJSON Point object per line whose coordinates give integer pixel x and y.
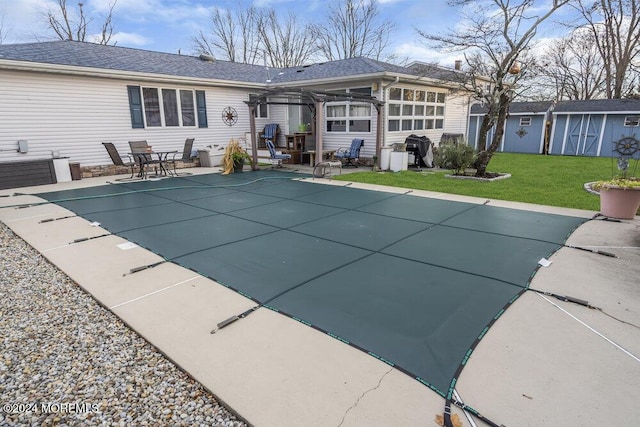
{"type": "Point", "coordinates": [414, 109]}
{"type": "Point", "coordinates": [154, 107]}
{"type": "Point", "coordinates": [170, 104]}
{"type": "Point", "coordinates": [336, 126]}
{"type": "Point", "coordinates": [525, 121]}
{"type": "Point", "coordinates": [261, 111]}
{"type": "Point", "coordinates": [632, 121]}
{"type": "Point", "coordinates": [350, 116]}
{"type": "Point", "coordinates": [188, 108]}
{"type": "Point", "coordinates": [151, 106]}
{"type": "Point", "coordinates": [394, 109]}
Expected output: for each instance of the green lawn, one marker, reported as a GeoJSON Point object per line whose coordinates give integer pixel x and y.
{"type": "Point", "coordinates": [544, 180]}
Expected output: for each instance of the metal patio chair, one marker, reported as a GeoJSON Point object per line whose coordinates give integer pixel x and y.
{"type": "Point", "coordinates": [141, 151]}
{"type": "Point", "coordinates": [186, 157]}
{"type": "Point", "coordinates": [275, 158]}
{"type": "Point", "coordinates": [350, 154]}
{"type": "Point", "coordinates": [117, 160]}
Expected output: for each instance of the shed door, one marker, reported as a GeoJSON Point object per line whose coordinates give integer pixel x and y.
{"type": "Point", "coordinates": [576, 124]}
{"type": "Point", "coordinates": [591, 135]}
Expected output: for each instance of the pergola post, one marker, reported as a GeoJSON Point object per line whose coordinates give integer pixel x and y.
{"type": "Point", "coordinates": [254, 143]}
{"type": "Point", "coordinates": [319, 128]}
{"type": "Point", "coordinates": [378, 133]}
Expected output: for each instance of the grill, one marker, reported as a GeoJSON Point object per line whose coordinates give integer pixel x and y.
{"type": "Point", "coordinates": [420, 146]}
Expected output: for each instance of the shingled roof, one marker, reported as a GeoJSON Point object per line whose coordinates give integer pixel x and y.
{"type": "Point", "coordinates": [599, 105]}
{"type": "Point", "coordinates": [90, 55]}
{"type": "Point", "coordinates": [538, 107]}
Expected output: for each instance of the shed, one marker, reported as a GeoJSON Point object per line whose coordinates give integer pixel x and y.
{"type": "Point", "coordinates": [525, 128]}
{"type": "Point", "coordinates": [589, 127]}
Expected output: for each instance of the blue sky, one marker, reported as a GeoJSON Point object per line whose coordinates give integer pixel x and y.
{"type": "Point", "coordinates": [169, 25]}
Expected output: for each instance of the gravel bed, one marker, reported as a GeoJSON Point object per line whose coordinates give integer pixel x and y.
{"type": "Point", "coordinates": [66, 360]}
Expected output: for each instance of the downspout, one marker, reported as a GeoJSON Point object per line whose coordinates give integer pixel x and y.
{"type": "Point", "coordinates": [384, 116]}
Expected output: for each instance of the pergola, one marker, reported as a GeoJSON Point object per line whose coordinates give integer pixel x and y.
{"type": "Point", "coordinates": [314, 99]}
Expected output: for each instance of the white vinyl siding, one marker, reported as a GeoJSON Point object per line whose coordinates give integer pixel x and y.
{"type": "Point", "coordinates": [74, 115]}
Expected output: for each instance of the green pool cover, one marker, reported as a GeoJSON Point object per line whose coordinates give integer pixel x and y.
{"type": "Point", "coordinates": [412, 281]}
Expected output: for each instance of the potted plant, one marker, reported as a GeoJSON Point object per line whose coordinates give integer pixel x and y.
{"type": "Point", "coordinates": [234, 157]}
{"type": "Point", "coordinates": [620, 196]}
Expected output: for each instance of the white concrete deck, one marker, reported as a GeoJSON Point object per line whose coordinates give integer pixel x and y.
{"type": "Point", "coordinates": [545, 362]}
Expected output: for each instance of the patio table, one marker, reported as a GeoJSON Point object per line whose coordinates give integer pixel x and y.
{"type": "Point", "coordinates": [326, 154]}
{"type": "Point", "coordinates": [146, 158]}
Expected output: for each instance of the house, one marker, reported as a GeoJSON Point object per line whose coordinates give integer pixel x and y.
{"type": "Point", "coordinates": [591, 127]}
{"type": "Point", "coordinates": [525, 127]}
{"type": "Point", "coordinates": [68, 97]}
{"type": "Point", "coordinates": [577, 128]}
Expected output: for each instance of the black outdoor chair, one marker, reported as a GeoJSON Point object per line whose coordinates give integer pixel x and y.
{"type": "Point", "coordinates": [350, 154]}
{"type": "Point", "coordinates": [141, 151]}
{"type": "Point", "coordinates": [117, 160]}
{"type": "Point", "coordinates": [186, 156]}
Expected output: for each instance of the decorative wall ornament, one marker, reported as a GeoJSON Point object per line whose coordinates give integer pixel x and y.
{"type": "Point", "coordinates": [229, 116]}
{"type": "Point", "coordinates": [521, 132]}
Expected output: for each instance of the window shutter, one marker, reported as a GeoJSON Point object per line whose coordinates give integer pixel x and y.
{"type": "Point", "coordinates": [202, 109]}
{"type": "Point", "coordinates": [135, 106]}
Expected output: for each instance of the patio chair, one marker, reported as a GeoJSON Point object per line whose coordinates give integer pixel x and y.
{"type": "Point", "coordinates": [275, 158]}
{"type": "Point", "coordinates": [350, 154]}
{"type": "Point", "coordinates": [186, 157]}
{"type": "Point", "coordinates": [270, 132]}
{"type": "Point", "coordinates": [140, 150]}
{"type": "Point", "coordinates": [117, 160]}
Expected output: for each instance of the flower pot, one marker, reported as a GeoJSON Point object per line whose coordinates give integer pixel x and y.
{"type": "Point", "coordinates": [238, 165]}
{"type": "Point", "coordinates": [619, 202]}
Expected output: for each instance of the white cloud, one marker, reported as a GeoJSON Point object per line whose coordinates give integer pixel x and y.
{"type": "Point", "coordinates": [24, 20]}
{"type": "Point", "coordinates": [418, 52]}
{"type": "Point", "coordinates": [130, 39]}
{"type": "Point", "coordinates": [269, 3]}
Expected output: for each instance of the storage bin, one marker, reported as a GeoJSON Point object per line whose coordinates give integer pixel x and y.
{"type": "Point", "coordinates": [76, 173]}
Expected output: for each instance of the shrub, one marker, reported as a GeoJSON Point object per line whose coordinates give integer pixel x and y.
{"type": "Point", "coordinates": [457, 156]}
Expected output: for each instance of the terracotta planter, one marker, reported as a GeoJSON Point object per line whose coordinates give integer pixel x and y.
{"type": "Point", "coordinates": [619, 202]}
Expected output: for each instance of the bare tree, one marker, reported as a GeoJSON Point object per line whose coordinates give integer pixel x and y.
{"type": "Point", "coordinates": [233, 36]}
{"type": "Point", "coordinates": [285, 44]}
{"type": "Point", "coordinates": [615, 28]}
{"type": "Point", "coordinates": [354, 28]}
{"type": "Point", "coordinates": [572, 68]}
{"type": "Point", "coordinates": [497, 35]}
{"type": "Point", "coordinates": [69, 24]}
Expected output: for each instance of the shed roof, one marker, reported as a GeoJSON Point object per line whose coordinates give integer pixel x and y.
{"type": "Point", "coordinates": [539, 107]}
{"type": "Point", "coordinates": [599, 105]}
